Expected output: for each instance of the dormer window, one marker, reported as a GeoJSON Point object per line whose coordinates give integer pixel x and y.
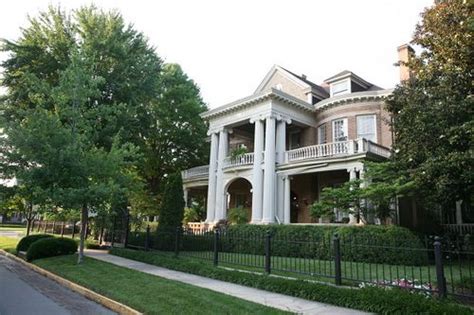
{"type": "Point", "coordinates": [340, 87]}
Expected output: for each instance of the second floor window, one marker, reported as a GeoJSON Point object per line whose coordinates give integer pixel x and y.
{"type": "Point", "coordinates": [339, 130]}
{"type": "Point", "coordinates": [341, 87]}
{"type": "Point", "coordinates": [322, 134]}
{"type": "Point", "coordinates": [366, 127]}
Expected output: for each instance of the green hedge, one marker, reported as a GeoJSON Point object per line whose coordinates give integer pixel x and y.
{"type": "Point", "coordinates": [370, 299]}
{"type": "Point", "coordinates": [370, 243]}
{"type": "Point", "coordinates": [26, 241]}
{"type": "Point", "coordinates": [49, 247]}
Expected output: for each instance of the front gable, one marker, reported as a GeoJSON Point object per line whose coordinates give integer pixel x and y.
{"type": "Point", "coordinates": [280, 79]}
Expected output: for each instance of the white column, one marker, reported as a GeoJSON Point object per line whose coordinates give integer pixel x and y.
{"type": "Point", "coordinates": [257, 176]}
{"type": "Point", "coordinates": [352, 176]}
{"type": "Point", "coordinates": [287, 200]}
{"type": "Point", "coordinates": [269, 172]}
{"type": "Point", "coordinates": [211, 190]}
{"type": "Point", "coordinates": [185, 196]}
{"type": "Point", "coordinates": [220, 191]}
{"type": "Point", "coordinates": [280, 158]}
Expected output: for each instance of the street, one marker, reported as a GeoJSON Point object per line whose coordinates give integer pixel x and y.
{"type": "Point", "coordinates": [22, 291]}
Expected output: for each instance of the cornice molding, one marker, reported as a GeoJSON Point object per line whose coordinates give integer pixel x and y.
{"type": "Point", "coordinates": [357, 97]}
{"type": "Point", "coordinates": [272, 94]}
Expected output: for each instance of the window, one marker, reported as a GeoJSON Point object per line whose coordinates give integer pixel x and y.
{"type": "Point", "coordinates": [366, 127]}
{"type": "Point", "coordinates": [322, 134]}
{"type": "Point", "coordinates": [339, 130]}
{"type": "Point", "coordinates": [294, 140]}
{"type": "Point", "coordinates": [341, 87]}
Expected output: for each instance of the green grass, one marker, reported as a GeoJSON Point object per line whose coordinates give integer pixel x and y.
{"type": "Point", "coordinates": [13, 227]}
{"type": "Point", "coordinates": [8, 244]}
{"type": "Point", "coordinates": [148, 293]}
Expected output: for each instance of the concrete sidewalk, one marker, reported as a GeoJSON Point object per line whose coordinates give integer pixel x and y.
{"type": "Point", "coordinates": [275, 300]}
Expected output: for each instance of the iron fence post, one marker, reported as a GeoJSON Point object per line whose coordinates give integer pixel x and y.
{"type": "Point", "coordinates": [176, 242]}
{"type": "Point", "coordinates": [216, 247]}
{"type": "Point", "coordinates": [337, 259]}
{"type": "Point", "coordinates": [268, 252]}
{"type": "Point", "coordinates": [440, 279]}
{"type": "Point", "coordinates": [113, 232]}
{"type": "Point", "coordinates": [127, 230]}
{"type": "Point", "coordinates": [147, 238]}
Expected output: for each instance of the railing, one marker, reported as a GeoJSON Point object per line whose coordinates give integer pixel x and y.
{"type": "Point", "coordinates": [460, 229]}
{"type": "Point", "coordinates": [196, 172]}
{"type": "Point", "coordinates": [377, 149]}
{"type": "Point", "coordinates": [435, 266]}
{"type": "Point", "coordinates": [241, 160]}
{"type": "Point", "coordinates": [336, 149]}
{"type": "Point", "coordinates": [320, 150]}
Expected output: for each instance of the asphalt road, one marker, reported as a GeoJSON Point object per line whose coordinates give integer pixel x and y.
{"type": "Point", "coordinates": [24, 292]}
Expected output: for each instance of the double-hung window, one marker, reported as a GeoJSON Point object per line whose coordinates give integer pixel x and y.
{"type": "Point", "coordinates": [366, 127]}
{"type": "Point", "coordinates": [322, 134]}
{"type": "Point", "coordinates": [339, 130]}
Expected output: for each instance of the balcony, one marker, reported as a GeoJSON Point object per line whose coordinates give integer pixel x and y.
{"type": "Point", "coordinates": [242, 160]}
{"type": "Point", "coordinates": [336, 149]}
{"type": "Point", "coordinates": [318, 151]}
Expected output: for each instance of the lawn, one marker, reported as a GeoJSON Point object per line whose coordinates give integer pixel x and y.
{"type": "Point", "coordinates": [8, 243]}
{"type": "Point", "coordinates": [148, 293]}
{"type": "Point", "coordinates": [13, 227]}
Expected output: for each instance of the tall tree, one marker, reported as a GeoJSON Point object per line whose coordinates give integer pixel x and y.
{"type": "Point", "coordinates": [433, 111]}
{"type": "Point", "coordinates": [174, 140]}
{"type": "Point", "coordinates": [134, 93]}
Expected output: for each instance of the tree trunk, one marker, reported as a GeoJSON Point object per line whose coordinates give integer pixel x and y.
{"type": "Point", "coordinates": [29, 218]}
{"type": "Point", "coordinates": [84, 218]}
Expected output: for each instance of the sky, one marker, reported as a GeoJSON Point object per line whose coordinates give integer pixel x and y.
{"type": "Point", "coordinates": [227, 47]}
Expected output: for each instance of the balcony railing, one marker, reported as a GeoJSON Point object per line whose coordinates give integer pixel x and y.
{"type": "Point", "coordinates": [335, 149]}
{"type": "Point", "coordinates": [241, 160]}
{"type": "Point", "coordinates": [198, 171]}
{"type": "Point", "coordinates": [327, 150]}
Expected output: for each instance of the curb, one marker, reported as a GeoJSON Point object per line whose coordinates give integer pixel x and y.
{"type": "Point", "coordinates": [89, 294]}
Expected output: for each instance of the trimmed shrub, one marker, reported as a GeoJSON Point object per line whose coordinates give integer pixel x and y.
{"type": "Point", "coordinates": [49, 247]}
{"type": "Point", "coordinates": [26, 241]}
{"type": "Point", "coordinates": [90, 244]}
{"type": "Point", "coordinates": [371, 243]}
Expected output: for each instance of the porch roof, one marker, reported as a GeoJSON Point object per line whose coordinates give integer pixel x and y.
{"type": "Point", "coordinates": [257, 98]}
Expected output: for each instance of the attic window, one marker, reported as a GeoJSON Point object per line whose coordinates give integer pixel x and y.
{"type": "Point", "coordinates": [341, 87]}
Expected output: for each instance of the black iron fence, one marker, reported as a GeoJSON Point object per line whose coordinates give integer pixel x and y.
{"type": "Point", "coordinates": [437, 266]}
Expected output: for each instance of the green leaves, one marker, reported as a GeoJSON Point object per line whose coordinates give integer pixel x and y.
{"type": "Point", "coordinates": [433, 112]}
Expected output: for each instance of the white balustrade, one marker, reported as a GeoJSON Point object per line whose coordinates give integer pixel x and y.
{"type": "Point", "coordinates": [198, 171]}
{"type": "Point", "coordinates": [320, 150]}
{"type": "Point", "coordinates": [241, 160]}
{"type": "Point", "coordinates": [377, 149]}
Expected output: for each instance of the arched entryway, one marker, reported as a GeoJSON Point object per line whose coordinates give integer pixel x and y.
{"type": "Point", "coordinates": [239, 198]}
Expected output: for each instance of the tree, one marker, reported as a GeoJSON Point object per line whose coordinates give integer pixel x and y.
{"type": "Point", "coordinates": [433, 111]}
{"type": "Point", "coordinates": [175, 138]}
{"type": "Point", "coordinates": [152, 106]}
{"type": "Point", "coordinates": [172, 206]}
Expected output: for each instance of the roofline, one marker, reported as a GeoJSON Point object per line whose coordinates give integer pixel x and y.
{"type": "Point", "coordinates": [376, 95]}
{"type": "Point", "coordinates": [270, 73]}
{"type": "Point", "coordinates": [256, 98]}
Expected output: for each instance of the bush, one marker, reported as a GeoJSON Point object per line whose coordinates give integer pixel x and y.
{"type": "Point", "coordinates": [26, 241]}
{"type": "Point", "coordinates": [370, 243]}
{"type": "Point", "coordinates": [49, 247]}
{"type": "Point", "coordinates": [370, 299]}
{"type": "Point", "coordinates": [90, 244]}
{"type": "Point", "coordinates": [238, 215]}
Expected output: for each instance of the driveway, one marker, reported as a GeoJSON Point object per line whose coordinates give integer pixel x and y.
{"type": "Point", "coordinates": [23, 291]}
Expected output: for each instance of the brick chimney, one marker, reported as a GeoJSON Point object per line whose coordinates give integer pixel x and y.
{"type": "Point", "coordinates": [405, 53]}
